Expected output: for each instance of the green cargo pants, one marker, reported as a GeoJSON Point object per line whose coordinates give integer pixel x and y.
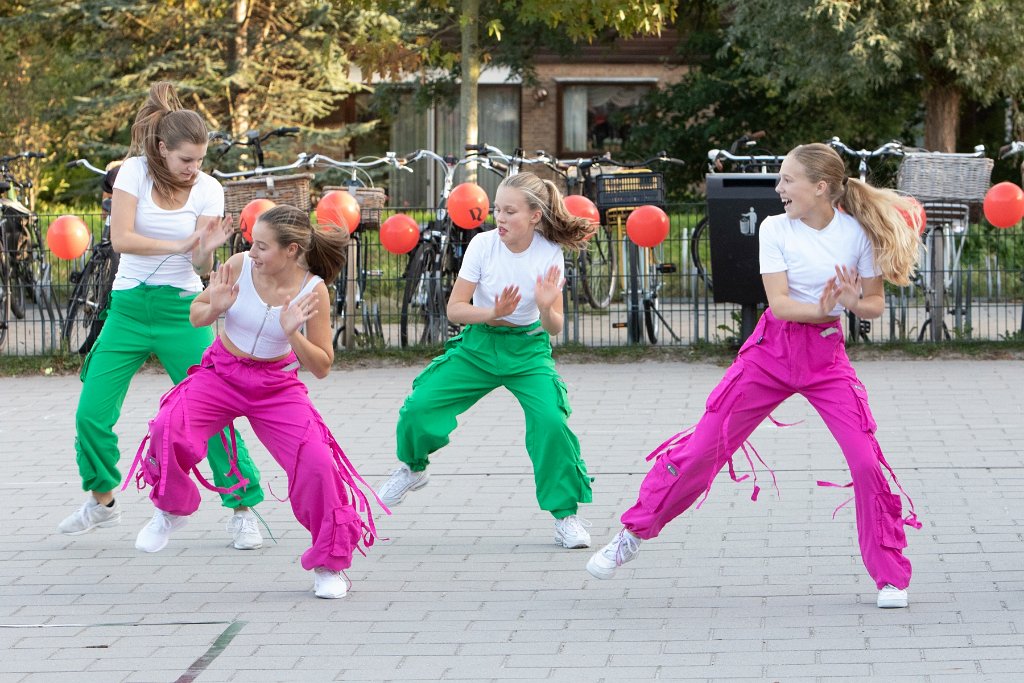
{"type": "Point", "coordinates": [476, 362]}
{"type": "Point", "coordinates": [141, 321]}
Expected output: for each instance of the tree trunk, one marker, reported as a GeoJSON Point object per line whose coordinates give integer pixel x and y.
{"type": "Point", "coordinates": [238, 98]}
{"type": "Point", "coordinates": [942, 118]}
{"type": "Point", "coordinates": [470, 76]}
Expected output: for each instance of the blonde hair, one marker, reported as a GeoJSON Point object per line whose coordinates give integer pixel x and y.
{"type": "Point", "coordinates": [163, 119]}
{"type": "Point", "coordinates": [556, 223]}
{"type": "Point", "coordinates": [882, 213]}
{"type": "Point", "coordinates": [323, 250]}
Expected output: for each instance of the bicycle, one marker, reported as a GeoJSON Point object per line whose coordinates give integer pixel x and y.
{"type": "Point", "coordinates": [598, 264]}
{"type": "Point", "coordinates": [90, 297]}
{"type": "Point", "coordinates": [750, 187]}
{"type": "Point", "coordinates": [434, 265]}
{"type": "Point", "coordinates": [510, 165]}
{"type": "Point", "coordinates": [372, 332]}
{"type": "Point", "coordinates": [1005, 152]}
{"type": "Point", "coordinates": [949, 186]}
{"type": "Point", "coordinates": [857, 328]}
{"type": "Point", "coordinates": [25, 272]}
{"type": "Point", "coordinates": [618, 194]}
{"type": "Point", "coordinates": [261, 182]}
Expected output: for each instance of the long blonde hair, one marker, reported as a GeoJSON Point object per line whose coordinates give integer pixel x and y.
{"type": "Point", "coordinates": [163, 119]}
{"type": "Point", "coordinates": [878, 211]}
{"type": "Point", "coordinates": [556, 223]}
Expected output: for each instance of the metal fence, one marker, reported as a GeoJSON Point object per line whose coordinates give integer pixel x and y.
{"type": "Point", "coordinates": [984, 298]}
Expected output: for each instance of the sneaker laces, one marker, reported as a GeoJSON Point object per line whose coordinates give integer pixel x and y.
{"type": "Point", "coordinates": [161, 521]}
{"type": "Point", "coordinates": [574, 524]}
{"type": "Point", "coordinates": [398, 478]}
{"type": "Point", "coordinates": [631, 544]}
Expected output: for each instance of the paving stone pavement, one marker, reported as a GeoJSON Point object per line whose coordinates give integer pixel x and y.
{"type": "Point", "coordinates": [470, 585]}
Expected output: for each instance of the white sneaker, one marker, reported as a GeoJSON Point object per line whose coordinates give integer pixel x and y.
{"type": "Point", "coordinates": [90, 516]}
{"type": "Point", "coordinates": [401, 481]}
{"type": "Point", "coordinates": [622, 549]}
{"type": "Point", "coordinates": [892, 597]}
{"type": "Point", "coordinates": [328, 584]}
{"type": "Point", "coordinates": [245, 531]}
{"type": "Point", "coordinates": [154, 536]}
{"type": "Point", "coordinates": [571, 532]}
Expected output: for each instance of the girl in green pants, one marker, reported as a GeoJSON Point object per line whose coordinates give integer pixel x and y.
{"type": "Point", "coordinates": [166, 223]}
{"type": "Point", "coordinates": [509, 294]}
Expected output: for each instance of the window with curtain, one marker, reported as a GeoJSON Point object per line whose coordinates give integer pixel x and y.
{"type": "Point", "coordinates": [498, 125]}
{"type": "Point", "coordinates": [596, 117]}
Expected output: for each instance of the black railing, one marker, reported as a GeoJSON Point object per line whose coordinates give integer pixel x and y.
{"type": "Point", "coordinates": [984, 298]}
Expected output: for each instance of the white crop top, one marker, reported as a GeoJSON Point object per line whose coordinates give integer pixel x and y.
{"type": "Point", "coordinates": [254, 326]}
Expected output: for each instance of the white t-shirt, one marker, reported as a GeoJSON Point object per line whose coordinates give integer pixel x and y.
{"type": "Point", "coordinates": [205, 199]}
{"type": "Point", "coordinates": [809, 257]}
{"type": "Point", "coordinates": [491, 266]}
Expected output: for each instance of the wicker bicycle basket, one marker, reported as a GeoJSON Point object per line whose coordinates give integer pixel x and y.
{"type": "Point", "coordinates": [371, 204]}
{"type": "Point", "coordinates": [292, 190]}
{"type": "Point", "coordinates": [943, 178]}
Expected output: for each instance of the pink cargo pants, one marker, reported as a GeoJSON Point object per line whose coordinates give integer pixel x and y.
{"type": "Point", "coordinates": [778, 360]}
{"type": "Point", "coordinates": [322, 484]}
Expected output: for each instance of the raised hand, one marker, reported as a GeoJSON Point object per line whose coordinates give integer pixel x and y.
{"type": "Point", "coordinates": [215, 233]}
{"type": "Point", "coordinates": [847, 286]}
{"type": "Point", "coordinates": [223, 290]}
{"type": "Point", "coordinates": [549, 288]}
{"type": "Point", "coordinates": [296, 313]}
{"type": "Point", "coordinates": [506, 302]}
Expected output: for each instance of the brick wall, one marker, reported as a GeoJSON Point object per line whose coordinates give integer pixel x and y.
{"type": "Point", "coordinates": [539, 122]}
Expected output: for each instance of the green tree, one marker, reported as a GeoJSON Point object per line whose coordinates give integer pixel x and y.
{"type": "Point", "coordinates": [721, 99]}
{"type": "Point", "coordinates": [946, 50]}
{"type": "Point", "coordinates": [450, 42]}
{"type": "Point", "coordinates": [241, 63]}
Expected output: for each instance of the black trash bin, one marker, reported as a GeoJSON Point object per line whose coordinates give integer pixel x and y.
{"type": "Point", "coordinates": [737, 205]}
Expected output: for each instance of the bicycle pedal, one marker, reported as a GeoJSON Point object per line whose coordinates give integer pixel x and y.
{"type": "Point", "coordinates": [619, 326]}
{"type": "Point", "coordinates": [373, 273]}
{"type": "Point", "coordinates": [666, 268]}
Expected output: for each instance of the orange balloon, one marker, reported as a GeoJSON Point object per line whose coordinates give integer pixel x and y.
{"type": "Point", "coordinates": [1004, 205]}
{"type": "Point", "coordinates": [468, 205]}
{"type": "Point", "coordinates": [647, 226]}
{"type": "Point", "coordinates": [916, 219]}
{"type": "Point", "coordinates": [400, 233]}
{"type": "Point", "coordinates": [68, 237]}
{"type": "Point", "coordinates": [580, 206]}
{"type": "Point", "coordinates": [339, 209]}
{"type": "Point", "coordinates": [250, 214]}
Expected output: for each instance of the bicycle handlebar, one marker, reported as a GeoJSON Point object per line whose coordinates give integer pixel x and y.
{"type": "Point", "coordinates": [22, 155]}
{"type": "Point", "coordinates": [891, 148]}
{"type": "Point", "coordinates": [84, 163]}
{"type": "Point", "coordinates": [301, 161]}
{"type": "Point", "coordinates": [389, 159]}
{"type": "Point", "coordinates": [1015, 147]}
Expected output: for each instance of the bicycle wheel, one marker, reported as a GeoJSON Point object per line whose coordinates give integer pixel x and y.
{"type": "Point", "coordinates": [19, 254]}
{"type": "Point", "coordinates": [5, 297]}
{"type": "Point", "coordinates": [652, 315]}
{"type": "Point", "coordinates": [597, 269]}
{"type": "Point", "coordinates": [423, 319]}
{"type": "Point", "coordinates": [634, 309]}
{"type": "Point", "coordinates": [83, 320]}
{"type": "Point", "coordinates": [937, 285]}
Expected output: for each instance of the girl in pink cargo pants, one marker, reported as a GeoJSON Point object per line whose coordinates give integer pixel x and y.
{"type": "Point", "coordinates": [276, 317]}
{"type": "Point", "coordinates": [816, 262]}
